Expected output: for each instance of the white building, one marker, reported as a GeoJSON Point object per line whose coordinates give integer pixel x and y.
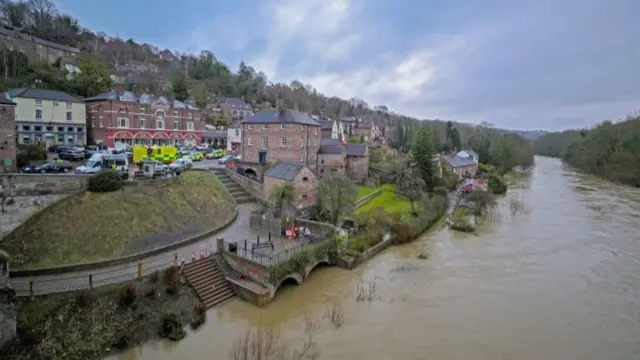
{"type": "Point", "coordinates": [234, 137]}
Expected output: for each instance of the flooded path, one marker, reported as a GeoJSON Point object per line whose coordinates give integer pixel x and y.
{"type": "Point", "coordinates": [560, 280]}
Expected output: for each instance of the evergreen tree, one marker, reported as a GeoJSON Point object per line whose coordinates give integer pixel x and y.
{"type": "Point", "coordinates": [423, 152]}
{"type": "Point", "coordinates": [180, 88]}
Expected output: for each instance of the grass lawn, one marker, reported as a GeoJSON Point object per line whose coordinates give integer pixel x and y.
{"type": "Point", "coordinates": [83, 325]}
{"type": "Point", "coordinates": [364, 191]}
{"type": "Point", "coordinates": [388, 200]}
{"type": "Point", "coordinates": [98, 226]}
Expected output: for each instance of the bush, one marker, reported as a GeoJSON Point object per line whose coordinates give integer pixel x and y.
{"type": "Point", "coordinates": [83, 299]}
{"type": "Point", "coordinates": [172, 275]}
{"type": "Point", "coordinates": [441, 191]}
{"type": "Point", "coordinates": [449, 182]}
{"type": "Point", "coordinates": [497, 185]}
{"type": "Point", "coordinates": [153, 291]}
{"type": "Point", "coordinates": [106, 181]}
{"type": "Point", "coordinates": [128, 295]}
{"type": "Point", "coordinates": [171, 327]}
{"type": "Point", "coordinates": [404, 232]}
{"type": "Point", "coordinates": [28, 153]}
{"type": "Point", "coordinates": [199, 316]}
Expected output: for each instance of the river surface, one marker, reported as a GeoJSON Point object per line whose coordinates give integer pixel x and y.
{"type": "Point", "coordinates": [558, 280]}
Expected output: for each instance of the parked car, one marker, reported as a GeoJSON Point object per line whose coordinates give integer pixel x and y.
{"type": "Point", "coordinates": [52, 167]}
{"type": "Point", "coordinates": [72, 155]}
{"type": "Point", "coordinates": [224, 159]}
{"type": "Point", "coordinates": [89, 151]}
{"type": "Point", "coordinates": [181, 164]}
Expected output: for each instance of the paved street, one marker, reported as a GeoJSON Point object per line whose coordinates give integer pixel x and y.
{"type": "Point", "coordinates": [237, 232]}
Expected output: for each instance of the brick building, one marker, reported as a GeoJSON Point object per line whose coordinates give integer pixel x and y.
{"type": "Point", "coordinates": [331, 159]}
{"type": "Point", "coordinates": [303, 179]}
{"type": "Point", "coordinates": [357, 161]}
{"type": "Point", "coordinates": [229, 109]}
{"type": "Point", "coordinates": [460, 165]}
{"type": "Point", "coordinates": [280, 135]}
{"type": "Point", "coordinates": [7, 134]}
{"type": "Point", "coordinates": [124, 117]}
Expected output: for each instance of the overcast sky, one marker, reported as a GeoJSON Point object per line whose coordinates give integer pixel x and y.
{"type": "Point", "coordinates": [522, 64]}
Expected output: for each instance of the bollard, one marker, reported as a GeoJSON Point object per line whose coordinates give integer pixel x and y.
{"type": "Point", "coordinates": [175, 259]}
{"type": "Point", "coordinates": [90, 281]}
{"type": "Point", "coordinates": [258, 239]}
{"type": "Point", "coordinates": [31, 290]}
{"type": "Point", "coordinates": [245, 244]}
{"type": "Point", "coordinates": [139, 271]}
{"type": "Point", "coordinates": [269, 236]}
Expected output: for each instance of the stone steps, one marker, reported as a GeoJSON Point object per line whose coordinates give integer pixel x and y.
{"type": "Point", "coordinates": [208, 281]}
{"type": "Point", "coordinates": [239, 194]}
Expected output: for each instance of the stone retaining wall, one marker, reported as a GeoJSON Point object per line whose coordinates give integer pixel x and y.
{"type": "Point", "coordinates": [252, 187]}
{"type": "Point", "coordinates": [361, 202]}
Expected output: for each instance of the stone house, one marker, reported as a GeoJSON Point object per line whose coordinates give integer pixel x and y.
{"type": "Point", "coordinates": [35, 48]}
{"type": "Point", "coordinates": [461, 166]}
{"type": "Point", "coordinates": [231, 109]}
{"type": "Point", "coordinates": [285, 135]}
{"type": "Point", "coordinates": [326, 127]}
{"type": "Point", "coordinates": [7, 134]}
{"type": "Point", "coordinates": [304, 182]}
{"type": "Point", "coordinates": [364, 129]}
{"type": "Point", "coordinates": [357, 161]}
{"type": "Point", "coordinates": [50, 116]}
{"type": "Point", "coordinates": [138, 67]}
{"type": "Point", "coordinates": [331, 158]}
{"type": "Point", "coordinates": [468, 154]}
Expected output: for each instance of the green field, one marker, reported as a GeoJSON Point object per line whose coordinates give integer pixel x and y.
{"type": "Point", "coordinates": [364, 191]}
{"type": "Point", "coordinates": [388, 200]}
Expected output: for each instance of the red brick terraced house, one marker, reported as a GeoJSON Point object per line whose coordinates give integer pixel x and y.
{"type": "Point", "coordinates": [124, 117]}
{"type": "Point", "coordinates": [284, 135]}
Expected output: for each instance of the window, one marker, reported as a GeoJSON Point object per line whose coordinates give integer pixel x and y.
{"type": "Point", "coordinates": [175, 113]}
{"type": "Point", "coordinates": [175, 125]}
{"type": "Point", "coordinates": [191, 126]}
{"type": "Point", "coordinates": [305, 179]}
{"type": "Point", "coordinates": [143, 110]}
{"type": "Point", "coordinates": [249, 126]}
{"type": "Point", "coordinates": [69, 129]}
{"type": "Point", "coordinates": [122, 110]}
{"type": "Point", "coordinates": [283, 142]}
{"type": "Point", "coordinates": [142, 122]}
{"type": "Point", "coordinates": [301, 156]}
{"type": "Point", "coordinates": [49, 128]}
{"type": "Point", "coordinates": [190, 116]}
{"type": "Point", "coordinates": [322, 161]}
{"type": "Point", "coordinates": [160, 123]}
{"type": "Point", "coordinates": [237, 132]}
{"type": "Point", "coordinates": [123, 122]}
{"type": "Point", "coordinates": [265, 126]}
{"type": "Point", "coordinates": [60, 128]}
{"type": "Point", "coordinates": [315, 131]}
{"type": "Point", "coordinates": [304, 196]}
{"type": "Point", "coordinates": [302, 142]}
{"type": "Point", "coordinates": [249, 141]}
{"type": "Point", "coordinates": [283, 126]}
{"type": "Point", "coordinates": [37, 128]}
{"type": "Point", "coordinates": [80, 129]}
{"type": "Point", "coordinates": [69, 116]}
{"type": "Point", "coordinates": [39, 103]}
{"type": "Point", "coordinates": [265, 142]}
{"type": "Point", "coordinates": [69, 106]}
{"type": "Point", "coordinates": [55, 104]}
{"type": "Point", "coordinates": [26, 128]}
{"type": "Point", "coordinates": [301, 127]}
{"type": "Point", "coordinates": [38, 114]}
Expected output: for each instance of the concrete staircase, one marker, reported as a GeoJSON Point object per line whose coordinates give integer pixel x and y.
{"type": "Point", "coordinates": [208, 281]}
{"type": "Point", "coordinates": [238, 192]}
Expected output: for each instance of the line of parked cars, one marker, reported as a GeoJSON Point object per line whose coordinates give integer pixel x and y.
{"type": "Point", "coordinates": [52, 167]}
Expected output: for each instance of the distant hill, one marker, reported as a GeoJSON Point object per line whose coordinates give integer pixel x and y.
{"type": "Point", "coordinates": [529, 134]}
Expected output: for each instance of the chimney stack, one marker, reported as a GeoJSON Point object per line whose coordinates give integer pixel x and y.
{"type": "Point", "coordinates": [323, 114]}
{"type": "Point", "coordinates": [279, 107]}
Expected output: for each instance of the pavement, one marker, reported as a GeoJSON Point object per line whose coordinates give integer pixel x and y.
{"type": "Point", "coordinates": [49, 284]}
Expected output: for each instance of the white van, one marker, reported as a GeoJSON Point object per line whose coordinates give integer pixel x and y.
{"type": "Point", "coordinates": [103, 160]}
{"type": "Point", "coordinates": [91, 166]}
{"type": "Point", "coordinates": [121, 161]}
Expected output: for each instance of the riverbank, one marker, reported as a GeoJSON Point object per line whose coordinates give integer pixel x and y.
{"type": "Point", "coordinates": [120, 223]}
{"type": "Point", "coordinates": [89, 325]}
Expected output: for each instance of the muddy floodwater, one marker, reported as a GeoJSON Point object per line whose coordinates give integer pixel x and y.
{"type": "Point", "coordinates": [560, 279]}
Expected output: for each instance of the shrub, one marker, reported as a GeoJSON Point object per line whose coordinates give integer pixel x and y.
{"type": "Point", "coordinates": [128, 295]}
{"type": "Point", "coordinates": [449, 182]}
{"type": "Point", "coordinates": [441, 191]}
{"type": "Point", "coordinates": [404, 232]}
{"type": "Point", "coordinates": [497, 185]}
{"type": "Point", "coordinates": [172, 275]}
{"type": "Point", "coordinates": [155, 276]}
{"type": "Point", "coordinates": [123, 341]}
{"type": "Point", "coordinates": [28, 153]}
{"type": "Point", "coordinates": [125, 176]}
{"type": "Point", "coordinates": [83, 299]}
{"type": "Point", "coordinates": [106, 181]}
{"type": "Point", "coordinates": [153, 291]}
{"type": "Point", "coordinates": [199, 316]}
{"type": "Point", "coordinates": [173, 289]}
{"type": "Point", "coordinates": [171, 327]}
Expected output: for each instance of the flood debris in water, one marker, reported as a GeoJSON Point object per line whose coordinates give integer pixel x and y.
{"type": "Point", "coordinates": [264, 342]}
{"type": "Point", "coordinates": [335, 313]}
{"type": "Point", "coordinates": [405, 267]}
{"type": "Point", "coordinates": [366, 291]}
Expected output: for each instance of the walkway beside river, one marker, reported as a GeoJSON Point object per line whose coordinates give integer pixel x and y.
{"type": "Point", "coordinates": [236, 232]}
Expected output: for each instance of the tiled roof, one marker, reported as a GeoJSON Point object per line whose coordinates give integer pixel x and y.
{"type": "Point", "coordinates": [334, 150]}
{"type": "Point", "coordinates": [326, 124]}
{"type": "Point", "coordinates": [329, 142]}
{"type": "Point", "coordinates": [129, 96]}
{"type": "Point", "coordinates": [235, 124]}
{"type": "Point", "coordinates": [284, 171]}
{"type": "Point", "coordinates": [349, 119]}
{"type": "Point", "coordinates": [237, 103]}
{"type": "Point", "coordinates": [356, 149]}
{"type": "Point", "coordinates": [458, 161]}
{"type": "Point", "coordinates": [42, 94]}
{"type": "Point", "coordinates": [471, 152]}
{"type": "Point", "coordinates": [269, 116]}
{"type": "Point", "coordinates": [4, 100]}
{"type": "Point", "coordinates": [365, 125]}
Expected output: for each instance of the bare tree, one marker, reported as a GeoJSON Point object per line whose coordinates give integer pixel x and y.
{"type": "Point", "coordinates": [336, 194]}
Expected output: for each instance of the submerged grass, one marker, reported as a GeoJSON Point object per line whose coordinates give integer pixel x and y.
{"type": "Point", "coordinates": [99, 226]}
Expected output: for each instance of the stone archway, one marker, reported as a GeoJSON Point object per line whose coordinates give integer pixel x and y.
{"type": "Point", "coordinates": [251, 173]}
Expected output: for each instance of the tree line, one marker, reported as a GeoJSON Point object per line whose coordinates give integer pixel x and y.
{"type": "Point", "coordinates": [608, 150]}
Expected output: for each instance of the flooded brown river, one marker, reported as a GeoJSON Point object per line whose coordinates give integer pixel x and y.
{"type": "Point", "coordinates": [560, 280]}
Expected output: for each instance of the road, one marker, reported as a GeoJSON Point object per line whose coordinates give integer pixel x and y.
{"type": "Point", "coordinates": [237, 232]}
